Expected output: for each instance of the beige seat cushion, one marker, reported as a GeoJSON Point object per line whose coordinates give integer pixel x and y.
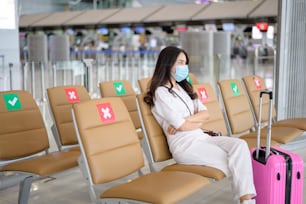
{"type": "Point", "coordinates": [299, 123]}
{"type": "Point", "coordinates": [281, 135]}
{"type": "Point", "coordinates": [45, 165]}
{"type": "Point", "coordinates": [252, 142]}
{"type": "Point", "coordinates": [159, 187]}
{"type": "Point", "coordinates": [205, 171]}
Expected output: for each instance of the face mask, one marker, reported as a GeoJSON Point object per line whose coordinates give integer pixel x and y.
{"type": "Point", "coordinates": [181, 73]}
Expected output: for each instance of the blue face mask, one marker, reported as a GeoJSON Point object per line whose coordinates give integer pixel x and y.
{"type": "Point", "coordinates": [181, 73]}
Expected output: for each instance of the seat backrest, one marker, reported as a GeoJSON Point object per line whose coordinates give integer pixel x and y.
{"type": "Point", "coordinates": [153, 133]}
{"type": "Point", "coordinates": [207, 95]}
{"type": "Point", "coordinates": [192, 78]}
{"type": "Point", "coordinates": [109, 144]}
{"type": "Point", "coordinates": [60, 100]}
{"type": "Point", "coordinates": [23, 132]}
{"type": "Point", "coordinates": [144, 84]}
{"type": "Point", "coordinates": [254, 84]}
{"type": "Point", "coordinates": [237, 106]}
{"type": "Point", "coordinates": [124, 90]}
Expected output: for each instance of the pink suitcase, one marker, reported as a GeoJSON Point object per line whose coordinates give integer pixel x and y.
{"type": "Point", "coordinates": [278, 174]}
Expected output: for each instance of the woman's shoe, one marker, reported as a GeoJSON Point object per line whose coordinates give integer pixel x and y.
{"type": "Point", "coordinates": [250, 201]}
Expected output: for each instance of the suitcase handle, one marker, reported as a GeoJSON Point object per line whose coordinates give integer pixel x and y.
{"type": "Point", "coordinates": [266, 91]}
{"type": "Point", "coordinates": [268, 142]}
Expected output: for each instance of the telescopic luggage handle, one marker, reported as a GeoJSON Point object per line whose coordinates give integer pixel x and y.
{"type": "Point", "coordinates": [266, 91]}
{"type": "Point", "coordinates": [268, 142]}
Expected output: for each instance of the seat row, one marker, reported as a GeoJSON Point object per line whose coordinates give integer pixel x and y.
{"type": "Point", "coordinates": [154, 141]}
{"type": "Point", "coordinates": [108, 153]}
{"type": "Point", "coordinates": [106, 136]}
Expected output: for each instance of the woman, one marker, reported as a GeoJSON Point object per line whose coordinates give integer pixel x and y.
{"type": "Point", "coordinates": [179, 112]}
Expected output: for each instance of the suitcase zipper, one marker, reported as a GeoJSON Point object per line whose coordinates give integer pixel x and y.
{"type": "Point", "coordinates": [288, 174]}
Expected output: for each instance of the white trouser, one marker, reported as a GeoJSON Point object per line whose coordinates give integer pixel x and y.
{"type": "Point", "coordinates": [231, 155]}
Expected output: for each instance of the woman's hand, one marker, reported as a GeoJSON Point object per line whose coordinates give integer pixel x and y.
{"type": "Point", "coordinates": [191, 122]}
{"type": "Point", "coordinates": [171, 130]}
{"type": "Point", "coordinates": [195, 121]}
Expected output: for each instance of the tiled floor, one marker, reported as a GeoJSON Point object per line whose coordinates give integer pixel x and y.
{"type": "Point", "coordinates": [70, 186]}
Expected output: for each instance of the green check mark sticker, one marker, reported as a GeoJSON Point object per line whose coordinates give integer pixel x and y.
{"type": "Point", "coordinates": [12, 101]}
{"type": "Point", "coordinates": [119, 88]}
{"type": "Point", "coordinates": [235, 89]}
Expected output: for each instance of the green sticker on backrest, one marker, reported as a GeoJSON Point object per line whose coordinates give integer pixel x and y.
{"type": "Point", "coordinates": [12, 101]}
{"type": "Point", "coordinates": [235, 89]}
{"type": "Point", "coordinates": [189, 79]}
{"type": "Point", "coordinates": [119, 88]}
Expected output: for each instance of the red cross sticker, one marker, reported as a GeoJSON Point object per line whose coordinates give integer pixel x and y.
{"type": "Point", "coordinates": [72, 95]}
{"type": "Point", "coordinates": [203, 94]}
{"type": "Point", "coordinates": [257, 82]}
{"type": "Point", "coordinates": [106, 112]}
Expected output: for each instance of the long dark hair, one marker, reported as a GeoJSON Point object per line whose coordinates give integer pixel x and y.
{"type": "Point", "coordinates": [162, 74]}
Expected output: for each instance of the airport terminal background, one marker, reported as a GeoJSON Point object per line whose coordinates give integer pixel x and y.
{"type": "Point", "coordinates": [86, 55]}
{"type": "Point", "coordinates": [138, 46]}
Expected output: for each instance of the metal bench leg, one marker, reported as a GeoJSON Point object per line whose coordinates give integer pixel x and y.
{"type": "Point", "coordinates": [24, 190]}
